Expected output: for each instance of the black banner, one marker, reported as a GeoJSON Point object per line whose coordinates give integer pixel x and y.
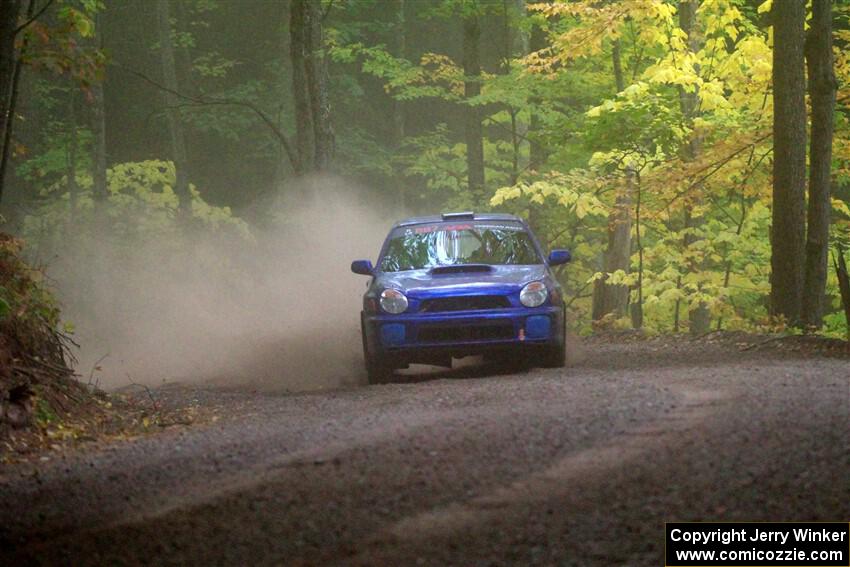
{"type": "Point", "coordinates": [754, 544]}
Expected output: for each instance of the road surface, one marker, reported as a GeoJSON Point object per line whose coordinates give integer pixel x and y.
{"type": "Point", "coordinates": [482, 466]}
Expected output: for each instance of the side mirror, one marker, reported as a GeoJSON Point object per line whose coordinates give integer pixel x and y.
{"type": "Point", "coordinates": [362, 267]}
{"type": "Point", "coordinates": [558, 257]}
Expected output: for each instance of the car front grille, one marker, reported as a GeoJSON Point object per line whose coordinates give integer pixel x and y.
{"type": "Point", "coordinates": [464, 303]}
{"type": "Point", "coordinates": [445, 333]}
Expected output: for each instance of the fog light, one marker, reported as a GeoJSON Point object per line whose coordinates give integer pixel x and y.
{"type": "Point", "coordinates": [537, 327]}
{"type": "Point", "coordinates": [392, 334]}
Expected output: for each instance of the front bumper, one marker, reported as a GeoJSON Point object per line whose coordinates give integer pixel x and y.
{"type": "Point", "coordinates": [423, 336]}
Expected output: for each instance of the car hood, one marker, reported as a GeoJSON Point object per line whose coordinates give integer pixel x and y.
{"type": "Point", "coordinates": [498, 279]}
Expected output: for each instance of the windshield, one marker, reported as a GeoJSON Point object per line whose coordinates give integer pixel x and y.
{"type": "Point", "coordinates": [441, 244]}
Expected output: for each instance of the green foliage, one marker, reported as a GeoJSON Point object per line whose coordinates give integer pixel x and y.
{"type": "Point", "coordinates": [638, 127]}
{"type": "Point", "coordinates": [575, 191]}
{"type": "Point", "coordinates": [24, 299]}
{"type": "Point", "coordinates": [560, 143]}
{"type": "Point", "coordinates": [212, 64]}
{"type": "Point", "coordinates": [141, 203]}
{"type": "Point", "coordinates": [61, 46]}
{"type": "Point", "coordinates": [52, 162]}
{"type": "Point", "coordinates": [44, 413]}
{"type": "Point", "coordinates": [711, 167]}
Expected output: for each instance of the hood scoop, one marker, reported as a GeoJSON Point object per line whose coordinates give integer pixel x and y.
{"type": "Point", "coordinates": [461, 269]}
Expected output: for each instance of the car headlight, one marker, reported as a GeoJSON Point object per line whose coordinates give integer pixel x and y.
{"type": "Point", "coordinates": [533, 294]}
{"type": "Point", "coordinates": [393, 301]}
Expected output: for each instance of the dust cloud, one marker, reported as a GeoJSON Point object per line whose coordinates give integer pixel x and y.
{"type": "Point", "coordinates": [280, 312]}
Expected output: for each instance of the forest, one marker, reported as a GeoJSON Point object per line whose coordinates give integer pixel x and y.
{"type": "Point", "coordinates": [693, 155]}
{"type": "Point", "coordinates": [191, 374]}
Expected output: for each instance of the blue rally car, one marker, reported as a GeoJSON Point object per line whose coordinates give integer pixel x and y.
{"type": "Point", "coordinates": [461, 284]}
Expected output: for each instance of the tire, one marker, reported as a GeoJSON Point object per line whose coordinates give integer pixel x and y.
{"type": "Point", "coordinates": [556, 356]}
{"type": "Point", "coordinates": [377, 371]}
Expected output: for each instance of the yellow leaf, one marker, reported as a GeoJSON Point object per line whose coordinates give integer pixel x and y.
{"type": "Point", "coordinates": [841, 206]}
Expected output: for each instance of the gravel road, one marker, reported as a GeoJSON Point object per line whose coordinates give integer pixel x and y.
{"type": "Point", "coordinates": [576, 466]}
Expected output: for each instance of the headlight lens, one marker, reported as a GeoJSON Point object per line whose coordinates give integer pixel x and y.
{"type": "Point", "coordinates": [533, 294]}
{"type": "Point", "coordinates": [393, 301]}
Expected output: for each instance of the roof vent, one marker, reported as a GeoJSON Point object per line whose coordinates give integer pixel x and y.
{"type": "Point", "coordinates": [459, 216]}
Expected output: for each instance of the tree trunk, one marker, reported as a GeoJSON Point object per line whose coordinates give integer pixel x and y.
{"type": "Point", "coordinates": [822, 87]}
{"type": "Point", "coordinates": [9, 12]}
{"type": "Point", "coordinates": [617, 64]}
{"type": "Point", "coordinates": [400, 35]}
{"type": "Point", "coordinates": [637, 306]}
{"type": "Point", "coordinates": [509, 42]}
{"type": "Point", "coordinates": [536, 149]}
{"type": "Point", "coordinates": [317, 86]}
{"type": "Point", "coordinates": [519, 127]}
{"type": "Point", "coordinates": [100, 191]}
{"type": "Point", "coordinates": [303, 120]}
{"type": "Point", "coordinates": [699, 316]}
{"type": "Point", "coordinates": [71, 162]}
{"type": "Point", "coordinates": [607, 298]}
{"type": "Point", "coordinates": [677, 306]}
{"type": "Point", "coordinates": [472, 88]}
{"type": "Point", "coordinates": [182, 55]}
{"type": "Point", "coordinates": [175, 126]}
{"type": "Point", "coordinates": [787, 234]}
{"type": "Point", "coordinates": [727, 275]}
{"type": "Point", "coordinates": [398, 109]}
{"type": "Point", "coordinates": [843, 283]}
{"type": "Point", "coordinates": [9, 73]}
{"type": "Point", "coordinates": [283, 165]}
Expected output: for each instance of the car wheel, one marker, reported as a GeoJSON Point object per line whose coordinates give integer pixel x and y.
{"type": "Point", "coordinates": [377, 371]}
{"type": "Point", "coordinates": [556, 356]}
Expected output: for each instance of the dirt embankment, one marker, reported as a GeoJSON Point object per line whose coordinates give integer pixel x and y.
{"type": "Point", "coordinates": [35, 358]}
{"type": "Point", "coordinates": [44, 406]}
